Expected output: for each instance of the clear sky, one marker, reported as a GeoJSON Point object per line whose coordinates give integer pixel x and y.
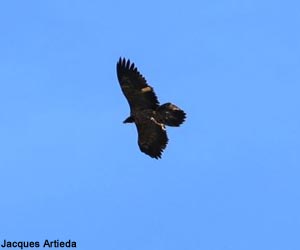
{"type": "Point", "coordinates": [229, 178]}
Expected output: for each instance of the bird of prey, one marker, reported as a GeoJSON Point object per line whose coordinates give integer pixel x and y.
{"type": "Point", "coordinates": [148, 115]}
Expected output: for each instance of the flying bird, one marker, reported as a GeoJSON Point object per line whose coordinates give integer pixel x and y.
{"type": "Point", "coordinates": [148, 115]}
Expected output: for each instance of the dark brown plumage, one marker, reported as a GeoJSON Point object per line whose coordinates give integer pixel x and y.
{"type": "Point", "coordinates": [149, 117]}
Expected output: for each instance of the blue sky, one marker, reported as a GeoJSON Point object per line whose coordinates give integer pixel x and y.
{"type": "Point", "coordinates": [229, 178]}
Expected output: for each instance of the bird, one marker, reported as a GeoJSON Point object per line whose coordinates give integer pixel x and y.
{"type": "Point", "coordinates": [149, 116]}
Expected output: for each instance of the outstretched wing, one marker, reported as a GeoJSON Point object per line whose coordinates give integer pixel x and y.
{"type": "Point", "coordinates": [134, 86]}
{"type": "Point", "coordinates": [152, 138]}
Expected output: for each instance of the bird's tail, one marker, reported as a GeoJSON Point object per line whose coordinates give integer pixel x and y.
{"type": "Point", "coordinates": [170, 115]}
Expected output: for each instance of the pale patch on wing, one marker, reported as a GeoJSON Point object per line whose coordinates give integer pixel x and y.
{"type": "Point", "coordinates": [146, 89]}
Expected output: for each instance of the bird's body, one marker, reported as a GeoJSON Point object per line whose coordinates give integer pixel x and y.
{"type": "Point", "coordinates": [150, 117]}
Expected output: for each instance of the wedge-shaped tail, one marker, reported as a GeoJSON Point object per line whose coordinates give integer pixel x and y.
{"type": "Point", "coordinates": [170, 115]}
